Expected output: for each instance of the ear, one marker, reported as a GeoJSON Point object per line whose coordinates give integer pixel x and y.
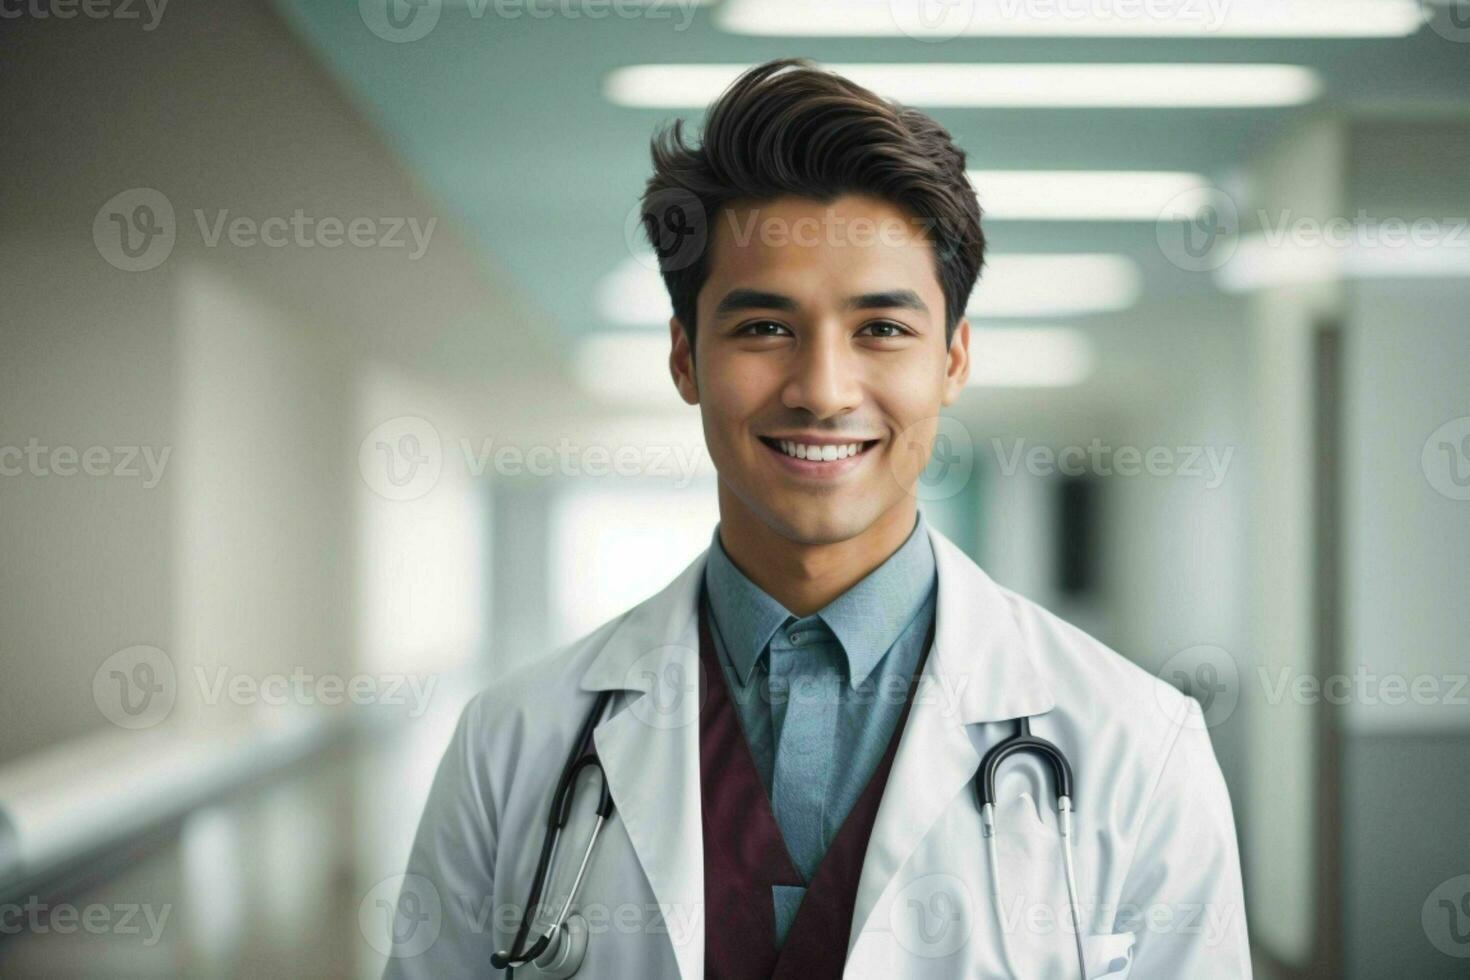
{"type": "Point", "coordinates": [681, 363]}
{"type": "Point", "coordinates": [957, 362]}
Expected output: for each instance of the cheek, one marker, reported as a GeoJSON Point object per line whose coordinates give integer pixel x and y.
{"type": "Point", "coordinates": [911, 391]}
{"type": "Point", "coordinates": [733, 392]}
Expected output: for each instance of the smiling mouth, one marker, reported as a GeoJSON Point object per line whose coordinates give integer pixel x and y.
{"type": "Point", "coordinates": [819, 453]}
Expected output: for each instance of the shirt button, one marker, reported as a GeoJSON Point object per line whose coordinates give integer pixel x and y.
{"type": "Point", "coordinates": [795, 637]}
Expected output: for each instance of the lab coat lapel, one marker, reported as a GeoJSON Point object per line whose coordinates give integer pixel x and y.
{"type": "Point", "coordinates": [978, 671]}
{"type": "Point", "coordinates": [650, 752]}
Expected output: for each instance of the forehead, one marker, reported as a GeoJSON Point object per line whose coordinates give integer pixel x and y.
{"type": "Point", "coordinates": [802, 246]}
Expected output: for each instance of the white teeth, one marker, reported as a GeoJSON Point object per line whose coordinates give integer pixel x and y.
{"type": "Point", "coordinates": [825, 453]}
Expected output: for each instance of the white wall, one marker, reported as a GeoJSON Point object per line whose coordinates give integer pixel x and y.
{"type": "Point", "coordinates": [1301, 175]}
{"type": "Point", "coordinates": [242, 362]}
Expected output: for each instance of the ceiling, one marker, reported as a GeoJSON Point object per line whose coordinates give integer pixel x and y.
{"type": "Point", "coordinates": [503, 121]}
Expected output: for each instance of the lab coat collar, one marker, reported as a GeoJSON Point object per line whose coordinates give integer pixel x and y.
{"type": "Point", "coordinates": [978, 644]}
{"type": "Point", "coordinates": [980, 670]}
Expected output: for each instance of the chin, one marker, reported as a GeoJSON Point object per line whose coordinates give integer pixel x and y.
{"type": "Point", "coordinates": [829, 525]}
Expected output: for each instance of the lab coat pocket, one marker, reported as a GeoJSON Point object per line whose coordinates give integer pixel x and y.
{"type": "Point", "coordinates": [1109, 955]}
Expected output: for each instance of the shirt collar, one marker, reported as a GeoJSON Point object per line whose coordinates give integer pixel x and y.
{"type": "Point", "coordinates": [867, 619]}
{"type": "Point", "coordinates": [745, 616]}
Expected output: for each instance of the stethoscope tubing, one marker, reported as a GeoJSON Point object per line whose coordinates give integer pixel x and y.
{"type": "Point", "coordinates": [585, 755]}
{"type": "Point", "coordinates": [1018, 744]}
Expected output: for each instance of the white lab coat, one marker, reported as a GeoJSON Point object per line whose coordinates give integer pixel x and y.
{"type": "Point", "coordinates": [1157, 863]}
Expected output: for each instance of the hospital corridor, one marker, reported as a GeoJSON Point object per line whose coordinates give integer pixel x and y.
{"type": "Point", "coordinates": [336, 388]}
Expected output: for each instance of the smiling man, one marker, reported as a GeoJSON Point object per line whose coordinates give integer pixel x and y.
{"type": "Point", "coordinates": [832, 746]}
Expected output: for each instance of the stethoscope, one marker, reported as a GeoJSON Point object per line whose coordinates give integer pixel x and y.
{"type": "Point", "coordinates": [1022, 742]}
{"type": "Point", "coordinates": [560, 950]}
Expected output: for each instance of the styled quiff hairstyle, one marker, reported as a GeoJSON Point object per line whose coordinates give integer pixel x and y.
{"type": "Point", "coordinates": [789, 128]}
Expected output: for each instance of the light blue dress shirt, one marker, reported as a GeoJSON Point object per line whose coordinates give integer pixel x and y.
{"type": "Point", "coordinates": [819, 696]}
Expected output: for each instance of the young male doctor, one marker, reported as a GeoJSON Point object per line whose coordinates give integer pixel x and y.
{"type": "Point", "coordinates": [794, 725]}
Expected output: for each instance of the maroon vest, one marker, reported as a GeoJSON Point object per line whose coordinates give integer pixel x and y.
{"type": "Point", "coordinates": [744, 853]}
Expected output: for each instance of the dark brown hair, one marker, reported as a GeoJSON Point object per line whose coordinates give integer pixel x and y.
{"type": "Point", "coordinates": [789, 128]}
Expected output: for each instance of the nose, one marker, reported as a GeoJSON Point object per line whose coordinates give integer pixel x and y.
{"type": "Point", "coordinates": [825, 379]}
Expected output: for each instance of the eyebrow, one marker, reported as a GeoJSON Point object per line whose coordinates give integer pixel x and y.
{"type": "Point", "coordinates": [756, 299]}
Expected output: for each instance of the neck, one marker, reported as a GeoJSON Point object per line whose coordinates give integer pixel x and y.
{"type": "Point", "coordinates": [806, 577]}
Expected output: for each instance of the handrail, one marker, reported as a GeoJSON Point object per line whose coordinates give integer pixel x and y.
{"type": "Point", "coordinates": [106, 789]}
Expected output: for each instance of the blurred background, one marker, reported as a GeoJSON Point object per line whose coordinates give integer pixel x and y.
{"type": "Point", "coordinates": [332, 387]}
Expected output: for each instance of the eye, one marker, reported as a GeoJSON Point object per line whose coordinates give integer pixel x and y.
{"type": "Point", "coordinates": [763, 328]}
{"type": "Point", "coordinates": [883, 329]}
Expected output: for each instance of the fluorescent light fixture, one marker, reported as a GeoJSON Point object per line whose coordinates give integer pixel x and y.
{"type": "Point", "coordinates": [628, 367]}
{"type": "Point", "coordinates": [1020, 284]}
{"type": "Point", "coordinates": [1029, 357]}
{"type": "Point", "coordinates": [1088, 195]}
{"type": "Point", "coordinates": [1258, 263]}
{"type": "Point", "coordinates": [925, 19]}
{"type": "Point", "coordinates": [961, 85]}
{"type": "Point", "coordinates": [634, 295]}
